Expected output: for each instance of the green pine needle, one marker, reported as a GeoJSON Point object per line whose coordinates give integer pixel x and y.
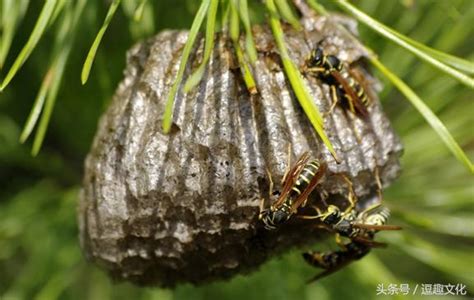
{"type": "Point", "coordinates": [50, 101]}
{"type": "Point", "coordinates": [86, 68]}
{"type": "Point", "coordinates": [196, 77]}
{"type": "Point", "coordinates": [225, 12]}
{"type": "Point", "coordinates": [137, 16]}
{"type": "Point", "coordinates": [451, 60]}
{"type": "Point", "coordinates": [413, 98]}
{"type": "Point", "coordinates": [245, 69]}
{"type": "Point", "coordinates": [38, 105]}
{"type": "Point", "coordinates": [443, 258]}
{"type": "Point", "coordinates": [12, 13]}
{"type": "Point", "coordinates": [234, 27]}
{"type": "Point", "coordinates": [388, 33]}
{"type": "Point", "coordinates": [193, 32]}
{"type": "Point", "coordinates": [37, 33]}
{"type": "Point", "coordinates": [52, 81]}
{"type": "Point", "coordinates": [317, 7]}
{"type": "Point", "coordinates": [235, 35]}
{"type": "Point", "coordinates": [285, 11]}
{"type": "Point", "coordinates": [58, 10]}
{"type": "Point", "coordinates": [426, 112]}
{"type": "Point", "coordinates": [294, 76]}
{"type": "Point", "coordinates": [249, 43]}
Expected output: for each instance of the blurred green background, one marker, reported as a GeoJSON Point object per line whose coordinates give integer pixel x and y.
{"type": "Point", "coordinates": [433, 200]}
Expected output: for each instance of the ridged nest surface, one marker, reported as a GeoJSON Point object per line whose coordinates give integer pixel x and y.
{"type": "Point", "coordinates": [160, 209]}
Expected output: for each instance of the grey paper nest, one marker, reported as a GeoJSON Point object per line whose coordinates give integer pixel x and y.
{"type": "Point", "coordinates": [160, 209]}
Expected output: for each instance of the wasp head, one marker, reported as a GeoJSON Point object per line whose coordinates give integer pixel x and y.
{"type": "Point", "coordinates": [272, 218]}
{"type": "Point", "coordinates": [357, 250]}
{"type": "Point", "coordinates": [316, 58]}
{"type": "Point", "coordinates": [344, 227]}
{"type": "Point", "coordinates": [280, 216]}
{"type": "Point", "coordinates": [334, 63]}
{"type": "Point", "coordinates": [332, 216]}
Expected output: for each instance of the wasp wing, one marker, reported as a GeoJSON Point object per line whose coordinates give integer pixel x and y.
{"type": "Point", "coordinates": [369, 242]}
{"type": "Point", "coordinates": [355, 105]}
{"type": "Point", "coordinates": [377, 227]}
{"type": "Point", "coordinates": [328, 272]}
{"type": "Point", "coordinates": [311, 186]}
{"type": "Point", "coordinates": [357, 74]}
{"type": "Point", "coordinates": [291, 178]}
{"type": "Point", "coordinates": [347, 260]}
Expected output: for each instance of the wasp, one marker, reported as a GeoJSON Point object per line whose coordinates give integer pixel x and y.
{"type": "Point", "coordinates": [366, 225]}
{"type": "Point", "coordinates": [298, 183]}
{"type": "Point", "coordinates": [358, 227]}
{"type": "Point", "coordinates": [345, 85]}
{"type": "Point", "coordinates": [335, 260]}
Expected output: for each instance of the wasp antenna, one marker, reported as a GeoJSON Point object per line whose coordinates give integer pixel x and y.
{"type": "Point", "coordinates": [319, 44]}
{"type": "Point", "coordinates": [318, 276]}
{"type": "Point", "coordinates": [306, 217]}
{"type": "Point", "coordinates": [336, 158]}
{"type": "Point", "coordinates": [326, 273]}
{"type": "Point", "coordinates": [370, 243]}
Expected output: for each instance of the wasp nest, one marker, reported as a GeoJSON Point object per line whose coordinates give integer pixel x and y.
{"type": "Point", "coordinates": [161, 209]}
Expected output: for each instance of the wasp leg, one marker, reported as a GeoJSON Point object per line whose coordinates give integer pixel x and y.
{"type": "Point", "coordinates": [334, 99]}
{"type": "Point", "coordinates": [323, 226]}
{"type": "Point", "coordinates": [288, 163]}
{"type": "Point", "coordinates": [340, 242]}
{"type": "Point", "coordinates": [262, 203]}
{"type": "Point", "coordinates": [323, 195]}
{"type": "Point", "coordinates": [306, 217]}
{"type": "Point", "coordinates": [270, 187]}
{"type": "Point", "coordinates": [354, 129]}
{"type": "Point", "coordinates": [319, 214]}
{"type": "Point", "coordinates": [357, 135]}
{"type": "Point", "coordinates": [315, 70]}
{"type": "Point", "coordinates": [370, 208]}
{"type": "Point", "coordinates": [351, 197]}
{"type": "Point", "coordinates": [379, 184]}
{"type": "Point", "coordinates": [304, 202]}
{"type": "Point", "coordinates": [350, 102]}
{"type": "Point", "coordinates": [316, 209]}
{"type": "Point", "coordinates": [270, 193]}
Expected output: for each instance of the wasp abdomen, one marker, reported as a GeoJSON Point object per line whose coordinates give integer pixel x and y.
{"type": "Point", "coordinates": [356, 87]}
{"type": "Point", "coordinates": [310, 170]}
{"type": "Point", "coordinates": [379, 218]}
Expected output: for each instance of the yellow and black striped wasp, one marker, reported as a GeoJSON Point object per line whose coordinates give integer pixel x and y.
{"type": "Point", "coordinates": [353, 225]}
{"type": "Point", "coordinates": [298, 183]}
{"type": "Point", "coordinates": [361, 231]}
{"type": "Point", "coordinates": [335, 260]}
{"type": "Point", "coordinates": [356, 226]}
{"type": "Point", "coordinates": [345, 85]}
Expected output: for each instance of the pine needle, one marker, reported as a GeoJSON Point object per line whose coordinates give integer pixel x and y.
{"type": "Point", "coordinates": [196, 77]}
{"type": "Point", "coordinates": [249, 42]}
{"type": "Point", "coordinates": [36, 34]}
{"type": "Point", "coordinates": [426, 112]}
{"type": "Point", "coordinates": [37, 106]}
{"type": "Point", "coordinates": [235, 35]}
{"type": "Point", "coordinates": [52, 81]}
{"type": "Point", "coordinates": [388, 33]}
{"type": "Point", "coordinates": [137, 16]}
{"type": "Point", "coordinates": [12, 13]}
{"type": "Point", "coordinates": [193, 32]}
{"type": "Point", "coordinates": [287, 14]}
{"type": "Point", "coordinates": [299, 88]}
{"type": "Point", "coordinates": [86, 68]}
